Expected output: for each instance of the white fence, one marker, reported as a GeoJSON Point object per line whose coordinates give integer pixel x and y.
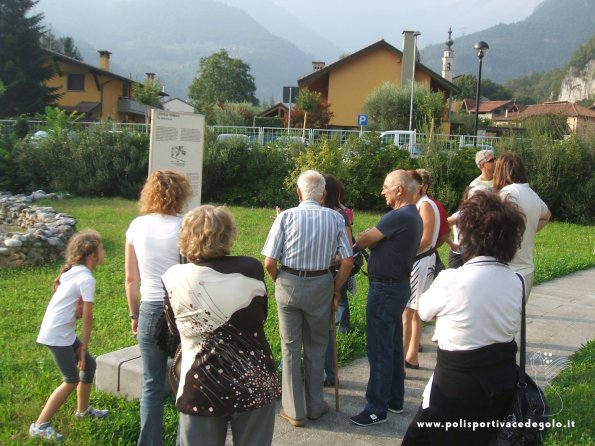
{"type": "Point", "coordinates": [264, 135]}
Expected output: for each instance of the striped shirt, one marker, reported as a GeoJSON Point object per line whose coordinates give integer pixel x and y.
{"type": "Point", "coordinates": [308, 237]}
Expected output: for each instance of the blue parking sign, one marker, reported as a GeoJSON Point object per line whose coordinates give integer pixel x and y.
{"type": "Point", "coordinates": [362, 120]}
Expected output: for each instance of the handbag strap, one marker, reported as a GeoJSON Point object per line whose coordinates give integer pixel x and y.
{"type": "Point", "coordinates": [523, 335]}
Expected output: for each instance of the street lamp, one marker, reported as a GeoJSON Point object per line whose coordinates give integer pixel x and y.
{"type": "Point", "coordinates": [482, 48]}
{"type": "Point", "coordinates": [415, 34]}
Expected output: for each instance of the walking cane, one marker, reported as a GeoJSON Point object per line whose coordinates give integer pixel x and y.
{"type": "Point", "coordinates": [335, 353]}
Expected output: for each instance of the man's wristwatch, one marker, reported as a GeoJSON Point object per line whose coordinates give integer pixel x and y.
{"type": "Point", "coordinates": [134, 317]}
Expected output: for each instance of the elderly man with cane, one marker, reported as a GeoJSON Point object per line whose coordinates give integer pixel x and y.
{"type": "Point", "coordinates": [394, 242]}
{"type": "Point", "coordinates": [305, 240]}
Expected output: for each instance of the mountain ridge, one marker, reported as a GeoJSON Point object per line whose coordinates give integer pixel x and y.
{"type": "Point", "coordinates": [171, 40]}
{"type": "Point", "coordinates": [547, 42]}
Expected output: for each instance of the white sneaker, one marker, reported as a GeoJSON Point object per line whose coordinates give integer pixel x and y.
{"type": "Point", "coordinates": [45, 430]}
{"type": "Point", "coordinates": [91, 412]}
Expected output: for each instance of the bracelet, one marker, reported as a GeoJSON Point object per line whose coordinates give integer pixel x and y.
{"type": "Point", "coordinates": [134, 317]}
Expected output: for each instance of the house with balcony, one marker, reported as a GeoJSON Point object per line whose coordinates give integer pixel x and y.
{"type": "Point", "coordinates": [93, 91]}
{"type": "Point", "coordinates": [346, 83]}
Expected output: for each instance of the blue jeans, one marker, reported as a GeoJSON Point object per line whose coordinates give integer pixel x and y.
{"type": "Point", "coordinates": [343, 318]}
{"type": "Point", "coordinates": [154, 369]}
{"type": "Point", "coordinates": [384, 331]}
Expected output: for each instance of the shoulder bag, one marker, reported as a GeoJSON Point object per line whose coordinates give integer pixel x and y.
{"type": "Point", "coordinates": [525, 422]}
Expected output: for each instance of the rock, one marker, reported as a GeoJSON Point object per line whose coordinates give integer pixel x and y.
{"type": "Point", "coordinates": [13, 243]}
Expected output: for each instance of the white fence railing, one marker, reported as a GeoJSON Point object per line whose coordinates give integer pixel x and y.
{"type": "Point", "coordinates": [264, 135]}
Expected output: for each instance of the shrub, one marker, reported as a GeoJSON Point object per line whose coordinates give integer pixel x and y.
{"type": "Point", "coordinates": [94, 162]}
{"type": "Point", "coordinates": [235, 172]}
{"type": "Point", "coordinates": [264, 121]}
{"type": "Point", "coordinates": [367, 161]}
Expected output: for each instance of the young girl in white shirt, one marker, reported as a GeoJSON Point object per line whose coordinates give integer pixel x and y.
{"type": "Point", "coordinates": [74, 291]}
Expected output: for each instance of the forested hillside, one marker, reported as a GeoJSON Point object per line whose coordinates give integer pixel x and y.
{"type": "Point", "coordinates": [543, 41]}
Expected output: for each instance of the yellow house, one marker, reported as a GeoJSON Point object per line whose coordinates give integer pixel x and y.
{"type": "Point", "coordinates": [346, 83]}
{"type": "Point", "coordinates": [96, 92]}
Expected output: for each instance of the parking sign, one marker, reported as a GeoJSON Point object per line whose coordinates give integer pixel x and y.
{"type": "Point", "coordinates": [362, 120]}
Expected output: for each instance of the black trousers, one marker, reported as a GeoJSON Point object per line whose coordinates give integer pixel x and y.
{"type": "Point", "coordinates": [468, 387]}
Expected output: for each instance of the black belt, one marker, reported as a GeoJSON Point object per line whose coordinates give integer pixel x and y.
{"type": "Point", "coordinates": [373, 278]}
{"type": "Point", "coordinates": [427, 253]}
{"type": "Point", "coordinates": [297, 272]}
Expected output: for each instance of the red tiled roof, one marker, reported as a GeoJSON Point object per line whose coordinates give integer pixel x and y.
{"type": "Point", "coordinates": [559, 108]}
{"type": "Point", "coordinates": [486, 106]}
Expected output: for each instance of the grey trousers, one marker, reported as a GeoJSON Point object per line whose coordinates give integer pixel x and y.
{"type": "Point", "coordinates": [250, 428]}
{"type": "Point", "coordinates": [303, 305]}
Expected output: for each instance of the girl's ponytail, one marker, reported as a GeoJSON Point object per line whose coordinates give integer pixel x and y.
{"type": "Point", "coordinates": [57, 279]}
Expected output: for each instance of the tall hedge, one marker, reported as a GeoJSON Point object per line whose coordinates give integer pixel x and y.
{"type": "Point", "coordinates": [97, 162]}
{"type": "Point", "coordinates": [92, 162]}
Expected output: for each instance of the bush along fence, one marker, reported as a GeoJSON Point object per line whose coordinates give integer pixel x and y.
{"type": "Point", "coordinates": [243, 171]}
{"type": "Point", "coordinates": [30, 234]}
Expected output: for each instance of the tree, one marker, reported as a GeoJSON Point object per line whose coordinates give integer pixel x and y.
{"type": "Point", "coordinates": [2, 88]}
{"type": "Point", "coordinates": [388, 107]}
{"type": "Point", "coordinates": [148, 95]}
{"type": "Point", "coordinates": [494, 91]}
{"type": "Point", "coordinates": [308, 101]}
{"type": "Point", "coordinates": [221, 79]}
{"type": "Point", "coordinates": [23, 65]}
{"type": "Point", "coordinates": [62, 45]}
{"type": "Point", "coordinates": [235, 114]}
{"type": "Point", "coordinates": [467, 86]}
{"type": "Point", "coordinates": [318, 119]}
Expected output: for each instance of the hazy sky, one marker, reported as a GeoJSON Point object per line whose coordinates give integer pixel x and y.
{"type": "Point", "coordinates": [354, 24]}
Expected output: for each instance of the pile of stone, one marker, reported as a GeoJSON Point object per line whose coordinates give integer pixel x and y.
{"type": "Point", "coordinates": [31, 234]}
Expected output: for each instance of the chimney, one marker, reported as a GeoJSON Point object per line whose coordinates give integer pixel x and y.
{"type": "Point", "coordinates": [150, 79]}
{"type": "Point", "coordinates": [104, 59]}
{"type": "Point", "coordinates": [317, 66]}
{"type": "Point", "coordinates": [409, 57]}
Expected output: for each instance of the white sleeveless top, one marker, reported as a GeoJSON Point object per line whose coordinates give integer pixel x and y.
{"type": "Point", "coordinates": [427, 199]}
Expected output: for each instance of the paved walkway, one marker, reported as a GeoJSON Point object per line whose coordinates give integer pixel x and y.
{"type": "Point", "coordinates": [560, 319]}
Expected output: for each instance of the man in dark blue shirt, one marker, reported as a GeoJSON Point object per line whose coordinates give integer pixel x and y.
{"type": "Point", "coordinates": [394, 242]}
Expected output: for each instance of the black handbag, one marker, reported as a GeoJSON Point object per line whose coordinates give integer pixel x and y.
{"type": "Point", "coordinates": [359, 256]}
{"type": "Point", "coordinates": [526, 420]}
{"type": "Point", "coordinates": [166, 334]}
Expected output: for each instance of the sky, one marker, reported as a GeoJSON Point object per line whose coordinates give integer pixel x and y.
{"type": "Point", "coordinates": [355, 24]}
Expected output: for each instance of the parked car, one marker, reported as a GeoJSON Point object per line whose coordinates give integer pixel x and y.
{"type": "Point", "coordinates": [479, 146]}
{"type": "Point", "coordinates": [225, 137]}
{"type": "Point", "coordinates": [415, 150]}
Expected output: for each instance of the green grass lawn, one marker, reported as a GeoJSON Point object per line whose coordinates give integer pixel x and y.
{"type": "Point", "coordinates": [28, 374]}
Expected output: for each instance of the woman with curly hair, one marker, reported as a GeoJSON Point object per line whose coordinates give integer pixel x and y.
{"type": "Point", "coordinates": [151, 248]}
{"type": "Point", "coordinates": [478, 312]}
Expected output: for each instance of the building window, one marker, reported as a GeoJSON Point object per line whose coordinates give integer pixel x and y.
{"type": "Point", "coordinates": [76, 82]}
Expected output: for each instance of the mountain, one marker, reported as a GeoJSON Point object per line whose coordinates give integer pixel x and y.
{"type": "Point", "coordinates": [169, 38]}
{"type": "Point", "coordinates": [281, 22]}
{"type": "Point", "coordinates": [543, 41]}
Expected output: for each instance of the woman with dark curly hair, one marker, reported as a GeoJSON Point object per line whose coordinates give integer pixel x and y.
{"type": "Point", "coordinates": [478, 311]}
